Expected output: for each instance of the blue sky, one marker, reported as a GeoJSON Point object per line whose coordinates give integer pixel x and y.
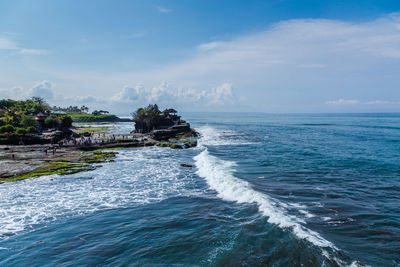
{"type": "Point", "coordinates": [268, 56]}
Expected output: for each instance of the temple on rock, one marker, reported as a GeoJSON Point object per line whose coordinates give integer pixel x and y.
{"type": "Point", "coordinates": [160, 125]}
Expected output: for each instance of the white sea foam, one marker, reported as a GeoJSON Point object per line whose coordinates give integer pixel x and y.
{"type": "Point", "coordinates": [221, 137]}
{"type": "Point", "coordinates": [306, 213]}
{"type": "Point", "coordinates": [138, 176]}
{"type": "Point", "coordinates": [218, 174]}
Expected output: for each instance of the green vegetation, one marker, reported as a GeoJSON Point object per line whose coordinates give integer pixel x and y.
{"type": "Point", "coordinates": [19, 116]}
{"type": "Point", "coordinates": [91, 129]}
{"type": "Point", "coordinates": [100, 156]}
{"type": "Point", "coordinates": [64, 121]}
{"type": "Point", "coordinates": [170, 145]}
{"type": "Point", "coordinates": [173, 145]}
{"type": "Point", "coordinates": [64, 166]}
{"type": "Point", "coordinates": [61, 168]}
{"type": "Point", "coordinates": [32, 105]}
{"type": "Point", "coordinates": [31, 129]}
{"type": "Point", "coordinates": [72, 109]}
{"type": "Point", "coordinates": [147, 118]}
{"type": "Point", "coordinates": [51, 121]}
{"type": "Point", "coordinates": [113, 148]}
{"type": "Point", "coordinates": [83, 117]}
{"type": "Point", "coordinates": [7, 129]}
{"type": "Point", "coordinates": [100, 112]}
{"type": "Point", "coordinates": [21, 131]}
{"type": "Point", "coordinates": [28, 121]}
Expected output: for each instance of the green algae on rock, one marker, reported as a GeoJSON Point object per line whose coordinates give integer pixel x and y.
{"type": "Point", "coordinates": [64, 165]}
{"type": "Point", "coordinates": [61, 168]}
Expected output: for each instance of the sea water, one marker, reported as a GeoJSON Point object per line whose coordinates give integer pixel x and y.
{"type": "Point", "coordinates": [264, 190]}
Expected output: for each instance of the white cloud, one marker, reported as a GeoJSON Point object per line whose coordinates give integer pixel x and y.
{"type": "Point", "coordinates": [210, 46]}
{"type": "Point", "coordinates": [129, 94]}
{"type": "Point", "coordinates": [34, 51]}
{"type": "Point", "coordinates": [222, 94]}
{"type": "Point", "coordinates": [163, 9]}
{"type": "Point", "coordinates": [42, 89]}
{"type": "Point", "coordinates": [8, 44]}
{"type": "Point", "coordinates": [293, 66]}
{"type": "Point", "coordinates": [12, 93]}
{"type": "Point", "coordinates": [169, 95]}
{"type": "Point", "coordinates": [342, 101]}
{"type": "Point", "coordinates": [382, 102]}
{"type": "Point", "coordinates": [379, 102]}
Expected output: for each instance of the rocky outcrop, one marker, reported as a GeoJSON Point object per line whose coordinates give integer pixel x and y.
{"type": "Point", "coordinates": [178, 130]}
{"type": "Point", "coordinates": [163, 134]}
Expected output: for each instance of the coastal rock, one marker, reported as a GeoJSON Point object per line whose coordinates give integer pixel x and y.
{"type": "Point", "coordinates": [186, 165]}
{"type": "Point", "coordinates": [181, 128]}
{"type": "Point", "coordinates": [190, 144]}
{"type": "Point", "coordinates": [163, 134]}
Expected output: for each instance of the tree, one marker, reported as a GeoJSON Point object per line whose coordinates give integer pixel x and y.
{"type": "Point", "coordinates": [84, 109]}
{"type": "Point", "coordinates": [37, 104]}
{"type": "Point", "coordinates": [7, 129]}
{"type": "Point", "coordinates": [51, 121]}
{"type": "Point", "coordinates": [100, 112]}
{"type": "Point", "coordinates": [65, 122]}
{"type": "Point", "coordinates": [27, 121]}
{"type": "Point", "coordinates": [147, 118]}
{"type": "Point", "coordinates": [21, 131]}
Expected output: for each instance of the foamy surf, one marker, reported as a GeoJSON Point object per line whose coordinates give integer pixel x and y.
{"type": "Point", "coordinates": [218, 174]}
{"type": "Point", "coordinates": [221, 137]}
{"type": "Point", "coordinates": [137, 177]}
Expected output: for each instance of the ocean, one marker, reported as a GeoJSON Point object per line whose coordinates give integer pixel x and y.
{"type": "Point", "coordinates": [264, 190]}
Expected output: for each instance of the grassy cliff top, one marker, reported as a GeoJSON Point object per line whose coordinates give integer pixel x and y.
{"type": "Point", "coordinates": [83, 117]}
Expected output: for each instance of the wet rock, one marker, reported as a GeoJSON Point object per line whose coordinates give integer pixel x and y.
{"type": "Point", "coordinates": [186, 165]}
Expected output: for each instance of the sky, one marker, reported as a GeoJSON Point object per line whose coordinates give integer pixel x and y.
{"type": "Point", "coordinates": [275, 56]}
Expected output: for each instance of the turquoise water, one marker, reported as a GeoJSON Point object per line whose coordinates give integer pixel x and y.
{"type": "Point", "coordinates": [265, 190]}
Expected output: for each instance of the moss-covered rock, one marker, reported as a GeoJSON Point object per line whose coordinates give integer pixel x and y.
{"type": "Point", "coordinates": [61, 168]}
{"type": "Point", "coordinates": [65, 165]}
{"type": "Point", "coordinates": [99, 156]}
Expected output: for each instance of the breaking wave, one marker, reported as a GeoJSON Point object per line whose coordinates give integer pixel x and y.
{"type": "Point", "coordinates": [218, 174]}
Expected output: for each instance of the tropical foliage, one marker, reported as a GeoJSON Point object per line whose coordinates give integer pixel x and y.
{"type": "Point", "coordinates": [19, 116]}
{"type": "Point", "coordinates": [147, 118]}
{"type": "Point", "coordinates": [100, 112]}
{"type": "Point", "coordinates": [72, 109]}
{"type": "Point", "coordinates": [32, 105]}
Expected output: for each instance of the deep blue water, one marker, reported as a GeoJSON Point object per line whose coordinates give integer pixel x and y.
{"type": "Point", "coordinates": [265, 190]}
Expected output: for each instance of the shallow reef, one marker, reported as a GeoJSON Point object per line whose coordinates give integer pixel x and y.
{"type": "Point", "coordinates": [64, 166]}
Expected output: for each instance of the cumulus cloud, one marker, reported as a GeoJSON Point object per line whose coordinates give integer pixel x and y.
{"type": "Point", "coordinates": [42, 89]}
{"type": "Point", "coordinates": [129, 94]}
{"type": "Point", "coordinates": [12, 93]}
{"type": "Point", "coordinates": [222, 94]}
{"type": "Point", "coordinates": [291, 66]}
{"type": "Point", "coordinates": [167, 94]}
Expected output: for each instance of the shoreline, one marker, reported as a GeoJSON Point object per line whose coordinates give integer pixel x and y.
{"type": "Point", "coordinates": [19, 162]}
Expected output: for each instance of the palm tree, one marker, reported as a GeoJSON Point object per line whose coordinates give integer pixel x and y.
{"type": "Point", "coordinates": [84, 108]}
